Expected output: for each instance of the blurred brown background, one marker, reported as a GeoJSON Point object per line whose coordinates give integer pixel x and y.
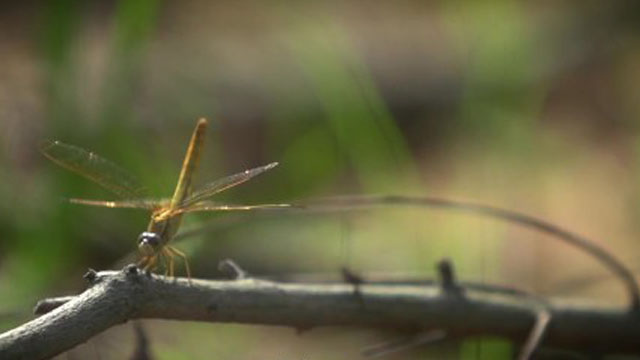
{"type": "Point", "coordinates": [532, 106]}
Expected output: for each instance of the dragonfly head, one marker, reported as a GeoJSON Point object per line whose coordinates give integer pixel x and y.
{"type": "Point", "coordinates": [148, 243]}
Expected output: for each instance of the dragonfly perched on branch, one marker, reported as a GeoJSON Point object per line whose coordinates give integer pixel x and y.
{"type": "Point", "coordinates": [166, 214]}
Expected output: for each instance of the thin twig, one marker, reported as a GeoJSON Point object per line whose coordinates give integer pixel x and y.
{"type": "Point", "coordinates": [390, 279]}
{"type": "Point", "coordinates": [543, 316]}
{"type": "Point", "coordinates": [232, 270]}
{"type": "Point", "coordinates": [142, 349]}
{"type": "Point", "coordinates": [46, 305]}
{"type": "Point", "coordinates": [350, 277]}
{"type": "Point", "coordinates": [403, 344]}
{"type": "Point", "coordinates": [448, 278]}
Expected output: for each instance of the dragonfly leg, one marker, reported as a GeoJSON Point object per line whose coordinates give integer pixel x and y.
{"type": "Point", "coordinates": [182, 255]}
{"type": "Point", "coordinates": [147, 263]}
{"type": "Point", "coordinates": [151, 263]}
{"type": "Point", "coordinates": [163, 258]}
{"type": "Point", "coordinates": [142, 262]}
{"type": "Point", "coordinates": [171, 262]}
{"type": "Point", "coordinates": [169, 255]}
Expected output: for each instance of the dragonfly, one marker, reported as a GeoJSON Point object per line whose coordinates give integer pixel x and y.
{"type": "Point", "coordinates": [166, 214]}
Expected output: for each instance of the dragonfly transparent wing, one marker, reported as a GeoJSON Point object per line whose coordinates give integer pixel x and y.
{"type": "Point", "coordinates": [223, 184]}
{"type": "Point", "coordinates": [93, 167]}
{"type": "Point", "coordinates": [148, 204]}
{"type": "Point", "coordinates": [215, 206]}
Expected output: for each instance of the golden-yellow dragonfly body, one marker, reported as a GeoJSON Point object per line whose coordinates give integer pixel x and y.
{"type": "Point", "coordinates": [166, 215]}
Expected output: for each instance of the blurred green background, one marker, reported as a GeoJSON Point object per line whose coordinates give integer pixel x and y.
{"type": "Point", "coordinates": [529, 106]}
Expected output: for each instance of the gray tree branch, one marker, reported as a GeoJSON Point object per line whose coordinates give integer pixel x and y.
{"type": "Point", "coordinates": [116, 297]}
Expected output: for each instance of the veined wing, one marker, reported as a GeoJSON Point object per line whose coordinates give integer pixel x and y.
{"type": "Point", "coordinates": [147, 204]}
{"type": "Point", "coordinates": [223, 184]}
{"type": "Point", "coordinates": [215, 206]}
{"type": "Point", "coordinates": [93, 167]}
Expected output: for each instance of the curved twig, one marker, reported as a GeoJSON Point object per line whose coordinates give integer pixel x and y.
{"type": "Point", "coordinates": [605, 257]}
{"type": "Point", "coordinates": [360, 202]}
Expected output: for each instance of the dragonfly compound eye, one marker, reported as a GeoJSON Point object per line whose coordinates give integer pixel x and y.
{"type": "Point", "coordinates": [148, 239]}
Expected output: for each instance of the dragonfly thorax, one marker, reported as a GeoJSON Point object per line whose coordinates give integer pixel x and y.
{"type": "Point", "coordinates": [162, 215]}
{"type": "Point", "coordinates": [148, 243]}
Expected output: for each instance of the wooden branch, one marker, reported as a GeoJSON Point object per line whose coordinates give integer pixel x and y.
{"type": "Point", "coordinates": [118, 296]}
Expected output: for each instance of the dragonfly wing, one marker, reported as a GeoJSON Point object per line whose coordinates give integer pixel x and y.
{"type": "Point", "coordinates": [214, 206]}
{"type": "Point", "coordinates": [147, 204]}
{"type": "Point", "coordinates": [223, 184]}
{"type": "Point", "coordinates": [93, 167]}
